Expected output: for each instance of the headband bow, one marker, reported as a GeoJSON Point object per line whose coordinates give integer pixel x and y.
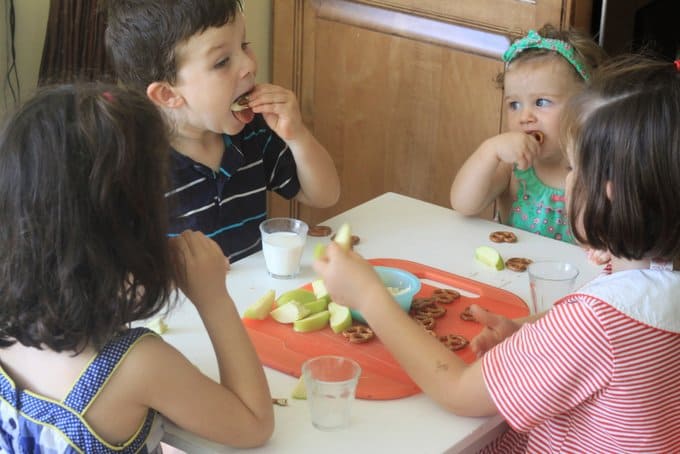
{"type": "Point", "coordinates": [535, 41]}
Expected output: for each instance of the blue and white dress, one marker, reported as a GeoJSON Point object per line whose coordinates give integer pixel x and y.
{"type": "Point", "coordinates": [30, 423]}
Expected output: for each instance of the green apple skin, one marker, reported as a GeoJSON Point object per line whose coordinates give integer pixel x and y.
{"type": "Point", "coordinates": [344, 237]}
{"type": "Point", "coordinates": [317, 305]}
{"type": "Point", "coordinates": [313, 322]}
{"type": "Point", "coordinates": [299, 294]}
{"type": "Point", "coordinates": [341, 317]}
{"type": "Point", "coordinates": [262, 307]}
{"type": "Point", "coordinates": [289, 312]}
{"type": "Point", "coordinates": [300, 390]}
{"type": "Point", "coordinates": [490, 257]}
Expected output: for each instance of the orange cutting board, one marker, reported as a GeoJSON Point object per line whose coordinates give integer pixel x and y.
{"type": "Point", "coordinates": [283, 349]}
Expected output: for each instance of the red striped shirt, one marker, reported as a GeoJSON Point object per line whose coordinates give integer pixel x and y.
{"type": "Point", "coordinates": [588, 378]}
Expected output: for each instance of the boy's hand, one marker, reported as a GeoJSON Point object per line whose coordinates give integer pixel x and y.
{"type": "Point", "coordinates": [515, 148]}
{"type": "Point", "coordinates": [349, 278]}
{"type": "Point", "coordinates": [201, 267]}
{"type": "Point", "coordinates": [279, 108]}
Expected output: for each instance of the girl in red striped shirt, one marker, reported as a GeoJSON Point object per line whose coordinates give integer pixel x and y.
{"type": "Point", "coordinates": [600, 372]}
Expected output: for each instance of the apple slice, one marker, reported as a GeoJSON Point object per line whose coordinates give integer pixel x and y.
{"type": "Point", "coordinates": [490, 257]}
{"type": "Point", "coordinates": [289, 312]}
{"type": "Point", "coordinates": [299, 294]}
{"type": "Point", "coordinates": [313, 322]}
{"type": "Point", "coordinates": [344, 237]}
{"type": "Point", "coordinates": [317, 305]}
{"type": "Point", "coordinates": [319, 288]}
{"type": "Point", "coordinates": [261, 308]}
{"type": "Point", "coordinates": [300, 390]}
{"type": "Point", "coordinates": [319, 250]}
{"type": "Point", "coordinates": [341, 317]}
{"type": "Point", "coordinates": [157, 325]}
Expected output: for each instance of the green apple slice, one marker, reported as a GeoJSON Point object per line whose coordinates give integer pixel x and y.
{"type": "Point", "coordinates": [261, 308]}
{"type": "Point", "coordinates": [299, 294]}
{"type": "Point", "coordinates": [341, 317]}
{"type": "Point", "coordinates": [157, 325]}
{"type": "Point", "coordinates": [312, 322]}
{"type": "Point", "coordinates": [344, 237]}
{"type": "Point", "coordinates": [300, 390]}
{"type": "Point", "coordinates": [319, 250]}
{"type": "Point", "coordinates": [319, 288]}
{"type": "Point", "coordinates": [317, 305]}
{"type": "Point", "coordinates": [490, 257]}
{"type": "Point", "coordinates": [289, 312]}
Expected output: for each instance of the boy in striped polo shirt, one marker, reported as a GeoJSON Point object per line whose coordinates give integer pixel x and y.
{"type": "Point", "coordinates": [232, 140]}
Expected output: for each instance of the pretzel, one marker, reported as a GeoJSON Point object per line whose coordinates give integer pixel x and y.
{"type": "Point", "coordinates": [538, 135]}
{"type": "Point", "coordinates": [419, 303]}
{"type": "Point", "coordinates": [354, 240]}
{"type": "Point", "coordinates": [319, 230]}
{"type": "Point", "coordinates": [433, 310]}
{"type": "Point", "coordinates": [445, 295]}
{"type": "Point", "coordinates": [424, 320]}
{"type": "Point", "coordinates": [503, 237]}
{"type": "Point", "coordinates": [358, 334]}
{"type": "Point", "coordinates": [518, 264]}
{"type": "Point", "coordinates": [453, 341]}
{"type": "Point", "coordinates": [467, 315]}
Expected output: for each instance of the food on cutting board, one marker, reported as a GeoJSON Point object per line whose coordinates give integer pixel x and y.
{"type": "Point", "coordinates": [261, 308]}
{"type": "Point", "coordinates": [313, 322]}
{"type": "Point", "coordinates": [299, 294]}
{"type": "Point", "coordinates": [290, 312]}
{"type": "Point", "coordinates": [341, 317]}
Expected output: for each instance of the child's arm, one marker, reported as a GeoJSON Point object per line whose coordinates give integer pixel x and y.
{"type": "Point", "coordinates": [443, 376]}
{"type": "Point", "coordinates": [496, 328]}
{"type": "Point", "coordinates": [319, 182]}
{"type": "Point", "coordinates": [238, 410]}
{"type": "Point", "coordinates": [486, 173]}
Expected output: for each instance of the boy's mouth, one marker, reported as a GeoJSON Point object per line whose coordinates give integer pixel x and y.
{"type": "Point", "coordinates": [240, 109]}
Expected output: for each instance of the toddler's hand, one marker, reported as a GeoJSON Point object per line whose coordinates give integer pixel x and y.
{"type": "Point", "coordinates": [280, 110]}
{"type": "Point", "coordinates": [349, 278]}
{"type": "Point", "coordinates": [201, 267]}
{"type": "Point", "coordinates": [496, 329]}
{"type": "Point", "coordinates": [516, 148]}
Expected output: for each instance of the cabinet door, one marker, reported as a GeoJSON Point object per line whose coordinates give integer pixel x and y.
{"type": "Point", "coordinates": [399, 100]}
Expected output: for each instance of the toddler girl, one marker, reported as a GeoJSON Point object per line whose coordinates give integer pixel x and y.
{"type": "Point", "coordinates": [83, 254]}
{"type": "Point", "coordinates": [600, 371]}
{"type": "Point", "coordinates": [523, 170]}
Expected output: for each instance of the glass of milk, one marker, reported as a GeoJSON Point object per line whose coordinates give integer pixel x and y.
{"type": "Point", "coordinates": [283, 240]}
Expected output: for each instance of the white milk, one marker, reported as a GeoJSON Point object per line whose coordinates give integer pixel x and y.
{"type": "Point", "coordinates": [282, 252]}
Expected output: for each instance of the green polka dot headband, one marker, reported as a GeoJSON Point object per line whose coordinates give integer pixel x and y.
{"type": "Point", "coordinates": [535, 41]}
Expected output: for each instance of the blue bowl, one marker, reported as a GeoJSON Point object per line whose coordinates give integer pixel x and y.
{"type": "Point", "coordinates": [398, 279]}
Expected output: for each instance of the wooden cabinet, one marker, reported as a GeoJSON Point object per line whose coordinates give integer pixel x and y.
{"type": "Point", "coordinates": [399, 91]}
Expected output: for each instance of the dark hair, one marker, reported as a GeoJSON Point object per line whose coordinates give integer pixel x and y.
{"type": "Point", "coordinates": [585, 48]}
{"type": "Point", "coordinates": [624, 130]}
{"type": "Point", "coordinates": [83, 245]}
{"type": "Point", "coordinates": [142, 35]}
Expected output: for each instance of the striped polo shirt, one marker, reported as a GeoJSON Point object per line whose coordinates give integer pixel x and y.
{"type": "Point", "coordinates": [228, 205]}
{"type": "Point", "coordinates": [598, 373]}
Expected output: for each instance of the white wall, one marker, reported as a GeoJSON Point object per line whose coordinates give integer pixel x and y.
{"type": "Point", "coordinates": [31, 23]}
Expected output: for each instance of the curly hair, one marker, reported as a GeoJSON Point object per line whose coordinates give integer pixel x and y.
{"type": "Point", "coordinates": [585, 48]}
{"type": "Point", "coordinates": [83, 245]}
{"type": "Point", "coordinates": [142, 35]}
{"type": "Point", "coordinates": [624, 134]}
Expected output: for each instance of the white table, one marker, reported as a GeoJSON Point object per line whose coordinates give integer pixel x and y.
{"type": "Point", "coordinates": [390, 226]}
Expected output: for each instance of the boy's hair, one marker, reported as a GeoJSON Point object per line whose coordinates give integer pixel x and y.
{"type": "Point", "coordinates": [624, 131]}
{"type": "Point", "coordinates": [83, 245]}
{"type": "Point", "coordinates": [586, 50]}
{"type": "Point", "coordinates": [142, 35]}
